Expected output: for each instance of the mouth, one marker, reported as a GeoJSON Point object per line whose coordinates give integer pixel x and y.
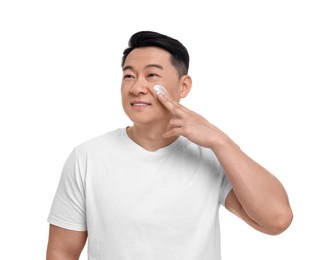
{"type": "Point", "coordinates": [140, 104]}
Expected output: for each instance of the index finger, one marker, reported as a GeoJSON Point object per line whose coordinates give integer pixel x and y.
{"type": "Point", "coordinates": [168, 103]}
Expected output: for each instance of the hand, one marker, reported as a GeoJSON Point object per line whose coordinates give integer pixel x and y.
{"type": "Point", "coordinates": [190, 124]}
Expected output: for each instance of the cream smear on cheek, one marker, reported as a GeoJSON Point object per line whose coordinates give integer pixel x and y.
{"type": "Point", "coordinates": [160, 90]}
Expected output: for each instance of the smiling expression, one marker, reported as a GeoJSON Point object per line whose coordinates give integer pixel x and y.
{"type": "Point", "coordinates": [144, 68]}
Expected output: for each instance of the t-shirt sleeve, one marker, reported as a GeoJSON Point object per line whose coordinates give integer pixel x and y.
{"type": "Point", "coordinates": [68, 207]}
{"type": "Point", "coordinates": [226, 187]}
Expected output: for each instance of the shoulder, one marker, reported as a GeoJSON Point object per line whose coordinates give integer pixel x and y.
{"type": "Point", "coordinates": [99, 143]}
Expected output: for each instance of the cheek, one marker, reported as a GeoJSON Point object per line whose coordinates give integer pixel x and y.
{"type": "Point", "coordinates": [124, 91]}
{"type": "Point", "coordinates": [173, 88]}
{"type": "Point", "coordinates": [124, 98]}
{"type": "Point", "coordinates": [174, 94]}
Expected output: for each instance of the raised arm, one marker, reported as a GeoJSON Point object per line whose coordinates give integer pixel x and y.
{"type": "Point", "coordinates": [65, 244]}
{"type": "Point", "coordinates": [257, 197]}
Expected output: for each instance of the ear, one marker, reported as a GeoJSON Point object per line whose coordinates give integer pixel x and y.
{"type": "Point", "coordinates": [185, 85]}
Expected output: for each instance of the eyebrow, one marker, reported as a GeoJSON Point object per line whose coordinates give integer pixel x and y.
{"type": "Point", "coordinates": [146, 67]}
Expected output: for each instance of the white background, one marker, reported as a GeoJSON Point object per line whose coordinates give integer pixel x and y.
{"type": "Point", "coordinates": [263, 71]}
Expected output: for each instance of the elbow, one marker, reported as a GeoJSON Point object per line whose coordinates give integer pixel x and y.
{"type": "Point", "coordinates": [281, 222]}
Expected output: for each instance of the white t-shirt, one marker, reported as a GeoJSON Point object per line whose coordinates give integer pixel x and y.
{"type": "Point", "coordinates": [142, 205]}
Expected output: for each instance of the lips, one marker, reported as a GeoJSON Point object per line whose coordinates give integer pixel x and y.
{"type": "Point", "coordinates": [140, 103]}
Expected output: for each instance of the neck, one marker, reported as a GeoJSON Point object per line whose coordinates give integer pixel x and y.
{"type": "Point", "coordinates": [150, 138]}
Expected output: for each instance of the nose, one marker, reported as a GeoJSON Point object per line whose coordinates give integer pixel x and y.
{"type": "Point", "coordinates": [140, 87]}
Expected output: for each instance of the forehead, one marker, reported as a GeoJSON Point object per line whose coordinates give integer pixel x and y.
{"type": "Point", "coordinates": [148, 55]}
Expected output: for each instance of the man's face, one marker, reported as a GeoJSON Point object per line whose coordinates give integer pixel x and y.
{"type": "Point", "coordinates": [144, 68]}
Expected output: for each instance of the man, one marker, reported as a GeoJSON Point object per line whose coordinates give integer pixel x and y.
{"type": "Point", "coordinates": [153, 190]}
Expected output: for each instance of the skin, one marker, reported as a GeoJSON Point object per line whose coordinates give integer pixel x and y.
{"type": "Point", "coordinates": [144, 68]}
{"type": "Point", "coordinates": [257, 196]}
{"type": "Point", "coordinates": [65, 244]}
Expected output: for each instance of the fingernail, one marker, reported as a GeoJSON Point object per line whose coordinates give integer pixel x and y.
{"type": "Point", "coordinates": [160, 90]}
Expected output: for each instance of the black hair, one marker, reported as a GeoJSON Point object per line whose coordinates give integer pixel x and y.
{"type": "Point", "coordinates": [179, 53]}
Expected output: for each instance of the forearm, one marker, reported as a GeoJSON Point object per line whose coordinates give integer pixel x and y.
{"type": "Point", "coordinates": [260, 194]}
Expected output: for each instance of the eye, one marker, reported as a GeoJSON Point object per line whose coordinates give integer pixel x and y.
{"type": "Point", "coordinates": [128, 76]}
{"type": "Point", "coordinates": [152, 75]}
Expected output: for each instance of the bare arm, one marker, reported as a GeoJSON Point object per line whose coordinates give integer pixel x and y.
{"type": "Point", "coordinates": [257, 197]}
{"type": "Point", "coordinates": [65, 244]}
